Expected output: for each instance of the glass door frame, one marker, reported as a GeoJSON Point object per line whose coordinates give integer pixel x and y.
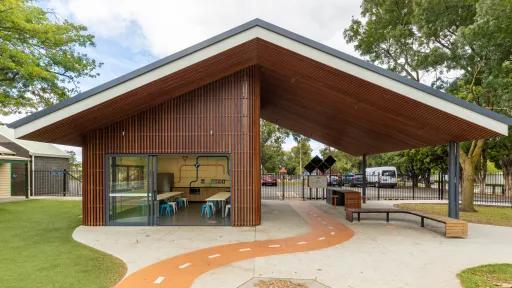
{"type": "Point", "coordinates": [151, 190]}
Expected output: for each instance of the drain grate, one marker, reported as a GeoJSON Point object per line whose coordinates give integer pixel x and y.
{"type": "Point", "coordinates": [259, 282]}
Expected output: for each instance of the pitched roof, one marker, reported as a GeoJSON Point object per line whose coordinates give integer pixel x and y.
{"type": "Point", "coordinates": [256, 40]}
{"type": "Point", "coordinates": [6, 151]}
{"type": "Point", "coordinates": [34, 148]}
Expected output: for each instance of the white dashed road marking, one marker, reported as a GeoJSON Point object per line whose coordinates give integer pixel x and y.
{"type": "Point", "coordinates": [244, 249]}
{"type": "Point", "coordinates": [302, 243]}
{"type": "Point", "coordinates": [274, 246]}
{"type": "Point", "coordinates": [321, 238]}
{"type": "Point", "coordinates": [332, 233]}
{"type": "Point", "coordinates": [159, 280]}
{"type": "Point", "coordinates": [214, 256]}
{"type": "Point", "coordinates": [183, 266]}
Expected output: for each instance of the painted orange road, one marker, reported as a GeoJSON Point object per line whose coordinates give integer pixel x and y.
{"type": "Point", "coordinates": [181, 271]}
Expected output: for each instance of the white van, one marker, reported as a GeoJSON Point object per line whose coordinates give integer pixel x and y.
{"type": "Point", "coordinates": [382, 176]}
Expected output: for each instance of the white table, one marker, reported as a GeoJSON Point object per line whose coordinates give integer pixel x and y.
{"type": "Point", "coordinates": [167, 195]}
{"type": "Point", "coordinates": [222, 197]}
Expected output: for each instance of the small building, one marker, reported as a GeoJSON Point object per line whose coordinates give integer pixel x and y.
{"type": "Point", "coordinates": [29, 166]}
{"type": "Point", "coordinates": [177, 142]}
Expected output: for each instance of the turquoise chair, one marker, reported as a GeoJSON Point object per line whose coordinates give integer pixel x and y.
{"type": "Point", "coordinates": [207, 210]}
{"type": "Point", "coordinates": [166, 209]}
{"type": "Point", "coordinates": [182, 202]}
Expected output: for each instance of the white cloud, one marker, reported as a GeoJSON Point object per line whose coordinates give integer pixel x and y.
{"type": "Point", "coordinates": [163, 27]}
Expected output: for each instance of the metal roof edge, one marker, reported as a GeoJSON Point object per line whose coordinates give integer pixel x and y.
{"type": "Point", "coordinates": [384, 72]}
{"type": "Point", "coordinates": [133, 74]}
{"type": "Point", "coordinates": [278, 30]}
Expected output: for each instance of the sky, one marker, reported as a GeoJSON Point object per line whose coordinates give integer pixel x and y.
{"type": "Point", "coordinates": [132, 33]}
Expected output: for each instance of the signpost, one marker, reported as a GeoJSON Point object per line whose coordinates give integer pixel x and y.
{"type": "Point", "coordinates": [318, 181]}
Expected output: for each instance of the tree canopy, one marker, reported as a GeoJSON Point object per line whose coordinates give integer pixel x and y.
{"type": "Point", "coordinates": [344, 162]}
{"type": "Point", "coordinates": [41, 58]}
{"type": "Point", "coordinates": [272, 138]}
{"type": "Point", "coordinates": [462, 46]}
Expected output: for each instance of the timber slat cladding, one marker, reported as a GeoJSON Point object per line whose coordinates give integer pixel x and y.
{"type": "Point", "coordinates": [298, 93]}
{"type": "Point", "coordinates": [220, 117]}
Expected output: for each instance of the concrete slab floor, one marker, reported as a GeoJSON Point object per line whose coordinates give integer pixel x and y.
{"type": "Point", "coordinates": [396, 254]}
{"type": "Point", "coordinates": [141, 246]}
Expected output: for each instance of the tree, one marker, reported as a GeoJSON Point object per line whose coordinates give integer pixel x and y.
{"type": "Point", "coordinates": [500, 153]}
{"type": "Point", "coordinates": [40, 58]}
{"type": "Point", "coordinates": [418, 38]}
{"type": "Point", "coordinates": [74, 164]}
{"type": "Point", "coordinates": [344, 162]}
{"type": "Point", "coordinates": [299, 154]}
{"type": "Point", "coordinates": [303, 156]}
{"type": "Point", "coordinates": [272, 138]}
{"type": "Point", "coordinates": [419, 164]}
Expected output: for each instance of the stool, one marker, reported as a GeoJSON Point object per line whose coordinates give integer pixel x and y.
{"type": "Point", "coordinates": [211, 204]}
{"type": "Point", "coordinates": [228, 207]}
{"type": "Point", "coordinates": [182, 202]}
{"type": "Point", "coordinates": [174, 206]}
{"type": "Point", "coordinates": [206, 210]}
{"type": "Point", "coordinates": [334, 198]}
{"type": "Point", "coordinates": [166, 209]}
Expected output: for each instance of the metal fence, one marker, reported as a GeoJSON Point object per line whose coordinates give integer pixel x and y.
{"type": "Point", "coordinates": [288, 187]}
{"type": "Point", "coordinates": [57, 183]}
{"type": "Point", "coordinates": [491, 191]}
{"type": "Point", "coordinates": [405, 188]}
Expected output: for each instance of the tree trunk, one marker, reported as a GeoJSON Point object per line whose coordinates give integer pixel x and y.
{"type": "Point", "coordinates": [507, 176]}
{"type": "Point", "coordinates": [426, 180]}
{"type": "Point", "coordinates": [468, 162]}
{"type": "Point", "coordinates": [481, 174]}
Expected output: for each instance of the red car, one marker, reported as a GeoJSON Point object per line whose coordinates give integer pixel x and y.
{"type": "Point", "coordinates": [269, 180]}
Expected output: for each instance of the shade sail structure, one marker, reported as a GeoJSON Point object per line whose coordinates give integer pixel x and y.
{"type": "Point", "coordinates": [306, 87]}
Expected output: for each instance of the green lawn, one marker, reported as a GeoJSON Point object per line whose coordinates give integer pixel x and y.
{"type": "Point", "coordinates": [37, 250]}
{"type": "Point", "coordinates": [487, 276]}
{"type": "Point", "coordinates": [501, 216]}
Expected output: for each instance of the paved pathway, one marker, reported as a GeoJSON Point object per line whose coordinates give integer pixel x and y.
{"type": "Point", "coordinates": [182, 270]}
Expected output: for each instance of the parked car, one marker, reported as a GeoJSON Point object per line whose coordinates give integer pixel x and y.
{"type": "Point", "coordinates": [382, 176]}
{"type": "Point", "coordinates": [347, 179]}
{"type": "Point", "coordinates": [357, 180]}
{"type": "Point", "coordinates": [269, 180]}
{"type": "Point", "coordinates": [333, 180]}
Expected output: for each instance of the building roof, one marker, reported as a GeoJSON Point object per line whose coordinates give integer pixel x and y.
{"type": "Point", "coordinates": [34, 148]}
{"type": "Point", "coordinates": [5, 151]}
{"type": "Point", "coordinates": [305, 86]}
{"type": "Point", "coordinates": [12, 158]}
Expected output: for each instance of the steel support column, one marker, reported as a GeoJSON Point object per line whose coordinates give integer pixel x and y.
{"type": "Point", "coordinates": [363, 171]}
{"type": "Point", "coordinates": [453, 180]}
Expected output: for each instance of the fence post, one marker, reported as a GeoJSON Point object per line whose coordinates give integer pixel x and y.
{"type": "Point", "coordinates": [64, 186]}
{"type": "Point", "coordinates": [413, 185]}
{"type": "Point", "coordinates": [282, 187]}
{"type": "Point", "coordinates": [303, 183]}
{"type": "Point", "coordinates": [378, 186]}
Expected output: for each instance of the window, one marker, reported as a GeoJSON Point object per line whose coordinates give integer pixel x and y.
{"type": "Point", "coordinates": [390, 173]}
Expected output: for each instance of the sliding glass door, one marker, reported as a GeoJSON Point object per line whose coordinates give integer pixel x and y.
{"type": "Point", "coordinates": [129, 190]}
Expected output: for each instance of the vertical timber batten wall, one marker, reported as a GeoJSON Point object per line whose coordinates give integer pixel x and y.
{"type": "Point", "coordinates": [220, 117]}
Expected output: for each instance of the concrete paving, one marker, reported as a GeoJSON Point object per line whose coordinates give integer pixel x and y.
{"type": "Point", "coordinates": [141, 246]}
{"type": "Point", "coordinates": [5, 199]}
{"type": "Point", "coordinates": [396, 254]}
